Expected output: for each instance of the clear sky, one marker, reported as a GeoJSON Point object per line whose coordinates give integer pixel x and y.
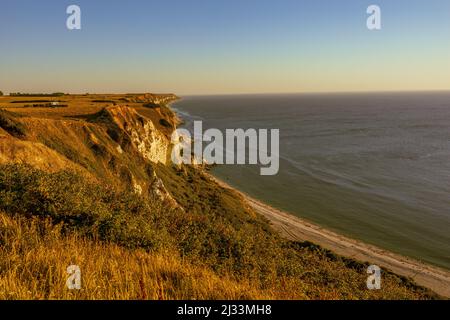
{"type": "Point", "coordinates": [224, 46]}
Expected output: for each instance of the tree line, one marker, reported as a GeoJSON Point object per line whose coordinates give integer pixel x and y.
{"type": "Point", "coordinates": [19, 94]}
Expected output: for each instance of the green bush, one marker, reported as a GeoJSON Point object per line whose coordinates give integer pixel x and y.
{"type": "Point", "coordinates": [81, 204]}
{"type": "Point", "coordinates": [19, 94]}
{"type": "Point", "coordinates": [207, 233]}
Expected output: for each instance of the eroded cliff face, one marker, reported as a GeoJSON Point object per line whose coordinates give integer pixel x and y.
{"type": "Point", "coordinates": [148, 141]}
{"type": "Point", "coordinates": [117, 145]}
{"type": "Point", "coordinates": [153, 145]}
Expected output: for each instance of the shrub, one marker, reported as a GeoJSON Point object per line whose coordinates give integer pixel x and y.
{"type": "Point", "coordinates": [81, 204]}
{"type": "Point", "coordinates": [19, 94]}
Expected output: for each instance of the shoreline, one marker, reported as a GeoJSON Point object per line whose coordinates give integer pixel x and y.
{"type": "Point", "coordinates": [292, 227]}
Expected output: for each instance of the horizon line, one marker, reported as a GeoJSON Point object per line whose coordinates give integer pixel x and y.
{"type": "Point", "coordinates": [243, 93]}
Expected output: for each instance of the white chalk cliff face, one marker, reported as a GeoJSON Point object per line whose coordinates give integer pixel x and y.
{"type": "Point", "coordinates": [90, 148]}
{"type": "Point", "coordinates": [148, 140]}
{"type": "Point", "coordinates": [153, 145]}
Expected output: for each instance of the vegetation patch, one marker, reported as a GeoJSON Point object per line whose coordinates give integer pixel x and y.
{"type": "Point", "coordinates": [83, 205]}
{"type": "Point", "coordinates": [9, 123]}
{"type": "Point", "coordinates": [19, 94]}
{"type": "Point", "coordinates": [45, 105]}
{"type": "Point", "coordinates": [152, 105]}
{"type": "Point", "coordinates": [31, 101]}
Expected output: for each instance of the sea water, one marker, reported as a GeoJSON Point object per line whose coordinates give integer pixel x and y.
{"type": "Point", "coordinates": [375, 167]}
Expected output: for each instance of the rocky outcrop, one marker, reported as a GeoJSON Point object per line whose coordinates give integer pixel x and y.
{"type": "Point", "coordinates": [148, 141]}
{"type": "Point", "coordinates": [159, 190]}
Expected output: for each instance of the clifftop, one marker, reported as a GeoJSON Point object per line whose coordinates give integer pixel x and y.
{"type": "Point", "coordinates": [116, 143]}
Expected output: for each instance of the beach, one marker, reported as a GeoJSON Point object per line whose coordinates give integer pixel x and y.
{"type": "Point", "coordinates": [368, 166]}
{"type": "Point", "coordinates": [297, 229]}
{"type": "Point", "coordinates": [381, 187]}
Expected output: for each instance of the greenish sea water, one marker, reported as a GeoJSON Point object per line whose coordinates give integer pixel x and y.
{"type": "Point", "coordinates": [375, 167]}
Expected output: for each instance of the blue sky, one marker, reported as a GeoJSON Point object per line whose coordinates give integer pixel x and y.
{"type": "Point", "coordinates": [218, 46]}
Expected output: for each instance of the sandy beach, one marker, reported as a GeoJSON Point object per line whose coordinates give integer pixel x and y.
{"type": "Point", "coordinates": [294, 228]}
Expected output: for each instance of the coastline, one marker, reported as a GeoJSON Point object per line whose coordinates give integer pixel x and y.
{"type": "Point", "coordinates": [294, 228]}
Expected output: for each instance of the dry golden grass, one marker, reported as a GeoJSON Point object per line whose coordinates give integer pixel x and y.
{"type": "Point", "coordinates": [35, 254]}
{"type": "Point", "coordinates": [79, 106]}
{"type": "Point", "coordinates": [75, 105]}
{"type": "Point", "coordinates": [34, 257]}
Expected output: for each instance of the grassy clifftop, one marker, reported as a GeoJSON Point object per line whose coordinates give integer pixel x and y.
{"type": "Point", "coordinates": [91, 185]}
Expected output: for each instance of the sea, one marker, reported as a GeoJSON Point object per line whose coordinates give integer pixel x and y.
{"type": "Point", "coordinates": [371, 166]}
